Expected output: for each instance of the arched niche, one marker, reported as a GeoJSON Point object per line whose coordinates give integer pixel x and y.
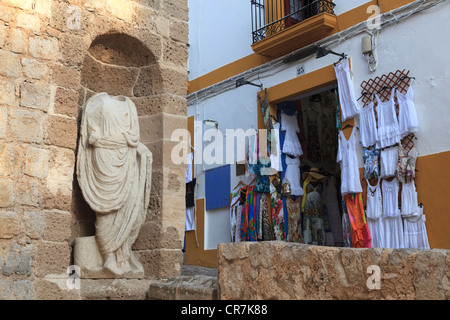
{"type": "Point", "coordinates": [117, 64]}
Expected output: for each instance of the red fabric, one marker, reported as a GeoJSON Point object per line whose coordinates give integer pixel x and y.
{"type": "Point", "coordinates": [360, 234]}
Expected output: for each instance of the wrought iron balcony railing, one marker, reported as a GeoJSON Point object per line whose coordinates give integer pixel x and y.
{"type": "Point", "coordinates": [272, 16]}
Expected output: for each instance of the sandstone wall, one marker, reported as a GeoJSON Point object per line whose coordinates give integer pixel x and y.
{"type": "Point", "coordinates": [279, 270]}
{"type": "Point", "coordinates": [54, 54]}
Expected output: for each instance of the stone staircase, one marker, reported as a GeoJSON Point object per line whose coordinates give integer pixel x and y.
{"type": "Point", "coordinates": [195, 283]}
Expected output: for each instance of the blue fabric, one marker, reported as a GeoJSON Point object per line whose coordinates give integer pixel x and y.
{"type": "Point", "coordinates": [217, 187]}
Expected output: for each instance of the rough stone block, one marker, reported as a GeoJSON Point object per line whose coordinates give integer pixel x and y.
{"type": "Point", "coordinates": [7, 194]}
{"type": "Point", "coordinates": [22, 290]}
{"type": "Point", "coordinates": [6, 13]}
{"type": "Point", "coordinates": [35, 96]}
{"type": "Point", "coordinates": [36, 162]}
{"type": "Point", "coordinates": [58, 226]}
{"type": "Point", "coordinates": [2, 33]}
{"type": "Point", "coordinates": [27, 192]}
{"type": "Point", "coordinates": [22, 4]}
{"type": "Point", "coordinates": [19, 260]}
{"type": "Point", "coordinates": [62, 132]}
{"type": "Point", "coordinates": [160, 126]}
{"type": "Point", "coordinates": [11, 160]}
{"type": "Point", "coordinates": [66, 102]}
{"type": "Point", "coordinates": [9, 224]}
{"type": "Point", "coordinates": [18, 41]}
{"type": "Point", "coordinates": [114, 80]}
{"type": "Point", "coordinates": [179, 31]}
{"type": "Point", "coordinates": [175, 53]}
{"type": "Point", "coordinates": [66, 77]}
{"type": "Point", "coordinates": [152, 236]}
{"type": "Point", "coordinates": [33, 224]}
{"type": "Point", "coordinates": [43, 7]}
{"type": "Point", "coordinates": [29, 21]}
{"type": "Point", "coordinates": [174, 82]}
{"type": "Point", "coordinates": [10, 64]}
{"type": "Point", "coordinates": [34, 69]}
{"type": "Point", "coordinates": [114, 289]}
{"type": "Point", "coordinates": [7, 92]}
{"type": "Point", "coordinates": [73, 48]}
{"type": "Point", "coordinates": [43, 48]}
{"type": "Point", "coordinates": [5, 289]}
{"type": "Point", "coordinates": [161, 263]}
{"type": "Point", "coordinates": [176, 8]}
{"type": "Point", "coordinates": [3, 122]}
{"type": "Point", "coordinates": [27, 125]}
{"type": "Point", "coordinates": [51, 258]}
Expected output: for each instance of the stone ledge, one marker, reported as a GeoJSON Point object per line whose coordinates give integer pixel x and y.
{"type": "Point", "coordinates": [198, 287]}
{"type": "Point", "coordinates": [114, 289]}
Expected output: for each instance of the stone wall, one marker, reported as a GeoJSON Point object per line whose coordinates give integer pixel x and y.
{"type": "Point", "coordinates": [53, 55]}
{"type": "Point", "coordinates": [280, 270]}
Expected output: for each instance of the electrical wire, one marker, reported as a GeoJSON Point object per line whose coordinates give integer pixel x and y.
{"type": "Point", "coordinates": [277, 65]}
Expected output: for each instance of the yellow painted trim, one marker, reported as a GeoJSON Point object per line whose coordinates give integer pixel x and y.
{"type": "Point", "coordinates": [198, 256]}
{"type": "Point", "coordinates": [344, 21]}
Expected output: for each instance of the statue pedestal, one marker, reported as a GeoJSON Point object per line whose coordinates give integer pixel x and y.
{"type": "Point", "coordinates": [87, 256]}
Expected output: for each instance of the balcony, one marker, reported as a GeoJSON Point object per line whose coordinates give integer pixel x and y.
{"type": "Point", "coordinates": [282, 26]}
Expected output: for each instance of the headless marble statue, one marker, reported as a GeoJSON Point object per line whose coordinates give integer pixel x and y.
{"type": "Point", "coordinates": [114, 174]}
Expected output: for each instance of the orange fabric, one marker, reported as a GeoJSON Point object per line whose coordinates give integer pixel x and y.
{"type": "Point", "coordinates": [360, 234]}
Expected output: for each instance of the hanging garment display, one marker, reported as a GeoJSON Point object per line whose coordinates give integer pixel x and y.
{"type": "Point", "coordinates": [407, 114]}
{"type": "Point", "coordinates": [374, 212]}
{"type": "Point", "coordinates": [347, 98]}
{"type": "Point", "coordinates": [262, 171]}
{"type": "Point", "coordinates": [415, 232]}
{"type": "Point", "coordinates": [190, 198]}
{"type": "Point", "coordinates": [291, 145]}
{"type": "Point", "coordinates": [330, 201]}
{"type": "Point", "coordinates": [267, 232]}
{"type": "Point", "coordinates": [391, 215]}
{"type": "Point", "coordinates": [275, 154]}
{"type": "Point", "coordinates": [248, 222]}
{"type": "Point", "coordinates": [347, 157]}
{"type": "Point", "coordinates": [277, 216]}
{"type": "Point", "coordinates": [346, 226]}
{"type": "Point", "coordinates": [293, 175]}
{"type": "Point", "coordinates": [409, 200]}
{"type": "Point", "coordinates": [388, 131]}
{"type": "Point", "coordinates": [389, 161]}
{"type": "Point", "coordinates": [360, 230]}
{"type": "Point", "coordinates": [294, 220]}
{"type": "Point", "coordinates": [371, 166]}
{"type": "Point", "coordinates": [406, 167]}
{"type": "Point", "coordinates": [234, 207]}
{"type": "Point", "coordinates": [268, 124]}
{"type": "Point", "coordinates": [368, 126]}
{"type": "Point", "coordinates": [313, 225]}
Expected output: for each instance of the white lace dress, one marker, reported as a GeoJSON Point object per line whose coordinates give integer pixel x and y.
{"type": "Point", "coordinates": [291, 145]}
{"type": "Point", "coordinates": [347, 157]}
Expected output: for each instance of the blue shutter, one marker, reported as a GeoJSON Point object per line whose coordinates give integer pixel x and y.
{"type": "Point", "coordinates": [217, 187]}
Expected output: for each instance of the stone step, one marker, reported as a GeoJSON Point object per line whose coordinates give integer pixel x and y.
{"type": "Point", "coordinates": [196, 287]}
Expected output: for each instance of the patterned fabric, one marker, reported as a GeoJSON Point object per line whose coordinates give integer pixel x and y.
{"type": "Point", "coordinates": [294, 220]}
{"type": "Point", "coordinates": [313, 225]}
{"type": "Point", "coordinates": [313, 141]}
{"type": "Point", "coordinates": [406, 166]}
{"type": "Point", "coordinates": [267, 233]}
{"type": "Point", "coordinates": [278, 217]}
{"type": "Point", "coordinates": [346, 227]}
{"type": "Point", "coordinates": [265, 109]}
{"type": "Point", "coordinates": [360, 230]}
{"type": "Point", "coordinates": [371, 165]}
{"type": "Point", "coordinates": [262, 169]}
{"type": "Point", "coordinates": [248, 223]}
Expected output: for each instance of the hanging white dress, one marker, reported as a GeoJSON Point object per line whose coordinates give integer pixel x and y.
{"type": "Point", "coordinates": [275, 154]}
{"type": "Point", "coordinates": [347, 157]}
{"type": "Point", "coordinates": [368, 126]}
{"type": "Point", "coordinates": [374, 212]}
{"type": "Point", "coordinates": [388, 162]}
{"type": "Point", "coordinates": [388, 130]}
{"type": "Point", "coordinates": [347, 98]}
{"type": "Point", "coordinates": [407, 114]}
{"type": "Point", "coordinates": [415, 232]}
{"type": "Point", "coordinates": [190, 211]}
{"type": "Point", "coordinates": [409, 200]}
{"type": "Point", "coordinates": [392, 218]}
{"type": "Point", "coordinates": [291, 145]}
{"type": "Point", "coordinates": [293, 175]}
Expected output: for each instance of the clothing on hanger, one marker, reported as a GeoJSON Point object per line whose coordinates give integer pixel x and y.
{"type": "Point", "coordinates": [347, 98]}
{"type": "Point", "coordinates": [347, 157]}
{"type": "Point", "coordinates": [368, 126]}
{"type": "Point", "coordinates": [388, 131]}
{"type": "Point", "coordinates": [415, 232]}
{"type": "Point", "coordinates": [389, 161]}
{"type": "Point", "coordinates": [374, 214]}
{"type": "Point", "coordinates": [371, 163]}
{"type": "Point", "coordinates": [407, 114]}
{"type": "Point", "coordinates": [406, 166]}
{"type": "Point", "coordinates": [391, 215]}
{"type": "Point", "coordinates": [291, 145]}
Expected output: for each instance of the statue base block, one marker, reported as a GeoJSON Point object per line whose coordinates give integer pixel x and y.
{"type": "Point", "coordinates": [88, 258]}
